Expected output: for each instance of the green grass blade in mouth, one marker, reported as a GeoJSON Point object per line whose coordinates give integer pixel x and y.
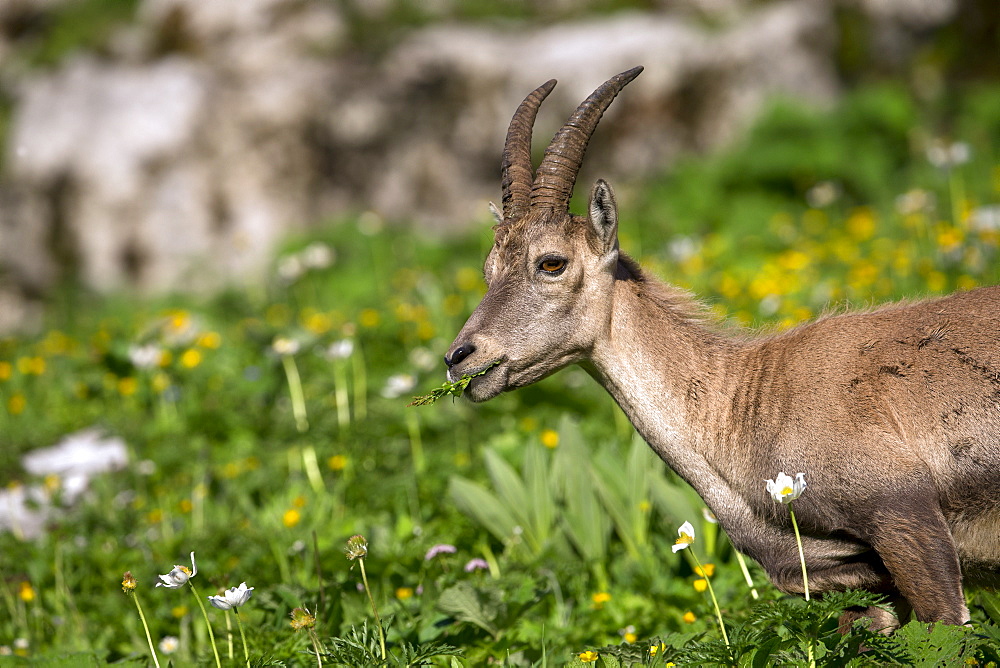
{"type": "Point", "coordinates": [454, 389]}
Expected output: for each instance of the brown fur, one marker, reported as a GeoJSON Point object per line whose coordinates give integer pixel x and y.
{"type": "Point", "coordinates": [892, 413]}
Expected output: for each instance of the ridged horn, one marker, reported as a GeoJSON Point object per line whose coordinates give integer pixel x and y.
{"type": "Point", "coordinates": [553, 185]}
{"type": "Point", "coordinates": [515, 169]}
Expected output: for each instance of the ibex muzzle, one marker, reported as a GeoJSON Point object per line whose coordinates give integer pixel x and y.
{"type": "Point", "coordinates": [893, 414]}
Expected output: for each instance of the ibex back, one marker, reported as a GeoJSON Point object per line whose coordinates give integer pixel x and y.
{"type": "Point", "coordinates": [892, 413]}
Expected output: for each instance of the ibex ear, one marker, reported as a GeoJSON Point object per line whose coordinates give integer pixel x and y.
{"type": "Point", "coordinates": [603, 212]}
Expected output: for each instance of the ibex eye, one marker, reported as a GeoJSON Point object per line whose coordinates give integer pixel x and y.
{"type": "Point", "coordinates": [552, 265]}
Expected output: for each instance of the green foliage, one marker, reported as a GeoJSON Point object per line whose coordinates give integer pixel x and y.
{"type": "Point", "coordinates": [359, 648]}
{"type": "Point", "coordinates": [558, 520]}
{"type": "Point", "coordinates": [490, 605]}
{"type": "Point", "coordinates": [448, 388]}
{"type": "Point", "coordinates": [568, 498]}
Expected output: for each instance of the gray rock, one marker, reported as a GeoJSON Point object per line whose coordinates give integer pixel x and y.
{"type": "Point", "coordinates": [211, 129]}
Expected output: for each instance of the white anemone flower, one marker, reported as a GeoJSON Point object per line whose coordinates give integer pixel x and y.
{"type": "Point", "coordinates": [232, 598]}
{"type": "Point", "coordinates": [784, 489]}
{"type": "Point", "coordinates": [282, 345]}
{"type": "Point", "coordinates": [685, 537]}
{"type": "Point", "coordinates": [340, 350]}
{"type": "Point", "coordinates": [179, 576]}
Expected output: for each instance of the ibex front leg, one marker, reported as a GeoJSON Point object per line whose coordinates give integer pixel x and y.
{"type": "Point", "coordinates": [916, 546]}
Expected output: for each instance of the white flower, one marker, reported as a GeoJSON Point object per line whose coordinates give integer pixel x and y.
{"type": "Point", "coordinates": [146, 356]}
{"type": "Point", "coordinates": [232, 598]}
{"type": "Point", "coordinates": [284, 346]}
{"type": "Point", "coordinates": [340, 350]}
{"type": "Point", "coordinates": [785, 490]}
{"type": "Point", "coordinates": [398, 385]}
{"type": "Point", "coordinates": [822, 194]}
{"type": "Point", "coordinates": [317, 256]}
{"type": "Point", "coordinates": [943, 155]}
{"type": "Point", "coordinates": [179, 576]}
{"type": "Point", "coordinates": [685, 537]}
{"type": "Point", "coordinates": [169, 644]}
{"type": "Point", "coordinates": [290, 268]}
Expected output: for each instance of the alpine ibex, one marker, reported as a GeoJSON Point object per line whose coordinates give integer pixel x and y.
{"type": "Point", "coordinates": [892, 413]}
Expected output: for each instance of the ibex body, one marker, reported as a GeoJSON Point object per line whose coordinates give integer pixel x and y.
{"type": "Point", "coordinates": [893, 414]}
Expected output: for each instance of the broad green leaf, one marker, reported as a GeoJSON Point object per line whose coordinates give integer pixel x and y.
{"type": "Point", "coordinates": [484, 507]}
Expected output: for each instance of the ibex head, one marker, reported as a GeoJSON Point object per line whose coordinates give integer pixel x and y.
{"type": "Point", "coordinates": [549, 272]}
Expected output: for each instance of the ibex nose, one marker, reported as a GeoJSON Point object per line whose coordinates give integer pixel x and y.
{"type": "Point", "coordinates": [460, 354]}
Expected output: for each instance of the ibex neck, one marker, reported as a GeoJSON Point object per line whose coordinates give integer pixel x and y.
{"type": "Point", "coordinates": [667, 370]}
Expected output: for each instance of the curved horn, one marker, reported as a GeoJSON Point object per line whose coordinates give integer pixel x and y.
{"type": "Point", "coordinates": [516, 172]}
{"type": "Point", "coordinates": [553, 184]}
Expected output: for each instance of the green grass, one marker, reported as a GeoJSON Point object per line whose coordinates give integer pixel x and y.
{"type": "Point", "coordinates": [566, 518]}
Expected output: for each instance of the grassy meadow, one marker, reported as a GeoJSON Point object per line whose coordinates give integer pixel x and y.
{"type": "Point", "coordinates": [266, 426]}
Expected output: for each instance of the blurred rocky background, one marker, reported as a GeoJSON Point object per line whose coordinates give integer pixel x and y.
{"type": "Point", "coordinates": [161, 145]}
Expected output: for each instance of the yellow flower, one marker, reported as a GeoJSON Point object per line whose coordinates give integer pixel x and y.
{"type": "Point", "coordinates": [706, 571]}
{"type": "Point", "coordinates": [369, 317]}
{"type": "Point", "coordinates": [468, 279]}
{"type": "Point", "coordinates": [589, 656]}
{"type": "Point", "coordinates": [291, 517]}
{"type": "Point", "coordinates": [403, 593]}
{"type": "Point", "coordinates": [425, 331]}
{"type": "Point", "coordinates": [26, 592]}
{"type": "Point", "coordinates": [299, 501]}
{"type": "Point", "coordinates": [16, 404]}
{"type": "Point", "coordinates": [936, 281]}
{"type": "Point", "coordinates": [453, 305]}
{"type": "Point", "coordinates": [128, 582]}
{"type": "Point", "coordinates": [337, 462]}
{"type": "Point", "coordinates": [52, 482]}
{"type": "Point", "coordinates": [185, 505]}
{"type": "Point", "coordinates": [315, 321]}
{"type": "Point", "coordinates": [190, 358]}
{"type": "Point", "coordinates": [948, 237]}
{"type": "Point", "coordinates": [6, 369]}
{"type": "Point", "coordinates": [861, 224]}
{"type": "Point", "coordinates": [210, 340]}
{"type": "Point", "coordinates": [600, 598]}
{"type": "Point", "coordinates": [629, 637]}
{"type": "Point", "coordinates": [179, 611]}
{"type": "Point", "coordinates": [550, 438]}
{"type": "Point", "coordinates": [31, 366]}
{"type": "Point", "coordinates": [700, 585]}
{"type": "Point", "coordinates": [127, 386]}
{"type": "Point", "coordinates": [689, 617]}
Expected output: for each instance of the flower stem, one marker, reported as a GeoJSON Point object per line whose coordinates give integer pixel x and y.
{"type": "Point", "coordinates": [711, 592]}
{"type": "Point", "coordinates": [802, 556]}
{"type": "Point", "coordinates": [341, 395]}
{"type": "Point", "coordinates": [805, 576]}
{"type": "Point", "coordinates": [145, 627]}
{"type": "Point", "coordinates": [211, 633]}
{"type": "Point", "coordinates": [746, 574]}
{"type": "Point", "coordinates": [315, 642]}
{"type": "Point", "coordinates": [378, 620]}
{"type": "Point", "coordinates": [229, 635]}
{"type": "Point", "coordinates": [295, 390]}
{"type": "Point", "coordinates": [243, 637]}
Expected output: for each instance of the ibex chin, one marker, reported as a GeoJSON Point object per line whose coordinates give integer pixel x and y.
{"type": "Point", "coordinates": [892, 413]}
